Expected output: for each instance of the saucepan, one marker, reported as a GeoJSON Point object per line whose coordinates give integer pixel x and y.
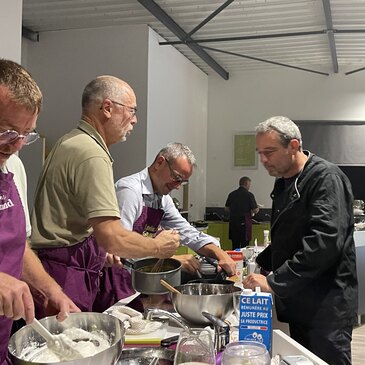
{"type": "Point", "coordinates": [147, 282]}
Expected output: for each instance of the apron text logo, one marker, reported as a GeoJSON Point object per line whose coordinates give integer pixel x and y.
{"type": "Point", "coordinates": [6, 205]}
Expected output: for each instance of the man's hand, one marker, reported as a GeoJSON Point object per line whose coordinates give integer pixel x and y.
{"type": "Point", "coordinates": [167, 242]}
{"type": "Point", "coordinates": [188, 263]}
{"type": "Point", "coordinates": [227, 264]}
{"type": "Point", "coordinates": [112, 260]}
{"type": "Point", "coordinates": [58, 303]}
{"type": "Point", "coordinates": [257, 280]}
{"type": "Point", "coordinates": [15, 299]}
{"type": "Point", "coordinates": [224, 260]}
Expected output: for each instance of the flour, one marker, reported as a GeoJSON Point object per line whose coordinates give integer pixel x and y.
{"type": "Point", "coordinates": [86, 343]}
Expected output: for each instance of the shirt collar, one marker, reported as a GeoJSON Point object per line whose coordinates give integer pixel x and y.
{"type": "Point", "coordinates": [93, 133]}
{"type": "Point", "coordinates": [147, 188]}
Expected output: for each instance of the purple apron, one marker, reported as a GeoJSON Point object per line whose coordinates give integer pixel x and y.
{"type": "Point", "coordinates": [248, 224]}
{"type": "Point", "coordinates": [116, 283]}
{"type": "Point", "coordinates": [77, 269]}
{"type": "Point", "coordinates": [12, 246]}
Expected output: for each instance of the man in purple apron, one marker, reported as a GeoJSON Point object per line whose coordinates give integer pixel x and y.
{"type": "Point", "coordinates": [75, 219]}
{"type": "Point", "coordinates": [12, 243]}
{"type": "Point", "coordinates": [146, 206]}
{"type": "Point", "coordinates": [20, 103]}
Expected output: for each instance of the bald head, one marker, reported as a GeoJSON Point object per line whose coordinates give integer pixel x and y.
{"type": "Point", "coordinates": [104, 87]}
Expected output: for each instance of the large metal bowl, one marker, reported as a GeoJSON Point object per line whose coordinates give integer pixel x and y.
{"type": "Point", "coordinates": [216, 299]}
{"type": "Point", "coordinates": [87, 321]}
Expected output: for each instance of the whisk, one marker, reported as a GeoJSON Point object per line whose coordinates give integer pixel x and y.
{"type": "Point", "coordinates": [158, 265]}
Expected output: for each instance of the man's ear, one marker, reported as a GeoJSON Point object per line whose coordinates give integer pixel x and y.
{"type": "Point", "coordinates": [294, 145]}
{"type": "Point", "coordinates": [158, 162]}
{"type": "Point", "coordinates": [106, 107]}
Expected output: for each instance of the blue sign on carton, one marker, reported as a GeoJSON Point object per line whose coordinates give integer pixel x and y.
{"type": "Point", "coordinates": [255, 322]}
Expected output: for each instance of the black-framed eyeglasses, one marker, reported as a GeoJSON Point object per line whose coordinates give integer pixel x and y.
{"type": "Point", "coordinates": [175, 176]}
{"type": "Point", "coordinates": [133, 109]}
{"type": "Point", "coordinates": [11, 136]}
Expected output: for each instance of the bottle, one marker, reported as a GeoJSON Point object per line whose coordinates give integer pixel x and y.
{"type": "Point", "coordinates": [266, 237]}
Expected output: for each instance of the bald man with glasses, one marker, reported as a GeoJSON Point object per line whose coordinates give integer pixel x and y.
{"type": "Point", "coordinates": [76, 219]}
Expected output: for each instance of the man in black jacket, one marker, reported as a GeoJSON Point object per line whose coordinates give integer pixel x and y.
{"type": "Point", "coordinates": [241, 205]}
{"type": "Point", "coordinates": [312, 251]}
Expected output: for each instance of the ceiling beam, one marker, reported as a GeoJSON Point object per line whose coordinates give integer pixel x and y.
{"type": "Point", "coordinates": [29, 34]}
{"type": "Point", "coordinates": [245, 38]}
{"type": "Point", "coordinates": [265, 61]}
{"type": "Point", "coordinates": [209, 18]}
{"type": "Point", "coordinates": [264, 36]}
{"type": "Point", "coordinates": [331, 37]}
{"type": "Point", "coordinates": [354, 71]}
{"type": "Point", "coordinates": [165, 19]}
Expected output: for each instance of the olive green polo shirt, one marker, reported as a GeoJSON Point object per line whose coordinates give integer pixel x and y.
{"type": "Point", "coordinates": [76, 184]}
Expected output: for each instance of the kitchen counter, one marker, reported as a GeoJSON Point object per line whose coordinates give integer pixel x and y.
{"type": "Point", "coordinates": [282, 344]}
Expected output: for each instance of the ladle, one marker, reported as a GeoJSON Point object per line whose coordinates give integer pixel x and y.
{"type": "Point", "coordinates": [169, 287]}
{"type": "Point", "coordinates": [56, 343]}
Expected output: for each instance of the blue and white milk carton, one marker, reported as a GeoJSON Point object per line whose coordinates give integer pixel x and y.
{"type": "Point", "coordinates": [255, 321]}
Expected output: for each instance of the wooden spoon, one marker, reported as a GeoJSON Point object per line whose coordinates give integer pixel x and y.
{"type": "Point", "coordinates": [169, 287]}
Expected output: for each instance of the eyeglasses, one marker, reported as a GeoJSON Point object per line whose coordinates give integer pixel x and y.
{"type": "Point", "coordinates": [11, 136]}
{"type": "Point", "coordinates": [133, 109]}
{"type": "Point", "coordinates": [175, 176]}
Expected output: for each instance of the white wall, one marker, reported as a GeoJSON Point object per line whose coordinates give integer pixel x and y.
{"type": "Point", "coordinates": [11, 29]}
{"type": "Point", "coordinates": [63, 62]}
{"type": "Point", "coordinates": [177, 112]}
{"type": "Point", "coordinates": [249, 98]}
{"type": "Point", "coordinates": [171, 93]}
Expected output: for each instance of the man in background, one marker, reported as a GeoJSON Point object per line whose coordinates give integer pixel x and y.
{"type": "Point", "coordinates": [241, 205]}
{"type": "Point", "coordinates": [21, 273]}
{"type": "Point", "coordinates": [312, 252]}
{"type": "Point", "coordinates": [76, 219]}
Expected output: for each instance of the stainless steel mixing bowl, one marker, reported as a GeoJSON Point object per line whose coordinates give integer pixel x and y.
{"type": "Point", "coordinates": [216, 299]}
{"type": "Point", "coordinates": [87, 321]}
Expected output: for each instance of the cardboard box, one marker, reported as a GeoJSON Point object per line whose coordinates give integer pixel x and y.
{"type": "Point", "coordinates": [255, 321]}
{"type": "Point", "coordinates": [237, 256]}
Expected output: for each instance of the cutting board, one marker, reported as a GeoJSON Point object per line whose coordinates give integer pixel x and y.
{"type": "Point", "coordinates": [152, 338]}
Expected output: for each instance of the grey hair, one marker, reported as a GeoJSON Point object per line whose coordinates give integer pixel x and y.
{"type": "Point", "coordinates": [104, 87]}
{"type": "Point", "coordinates": [174, 150]}
{"type": "Point", "coordinates": [285, 127]}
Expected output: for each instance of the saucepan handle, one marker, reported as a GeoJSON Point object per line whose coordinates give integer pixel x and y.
{"type": "Point", "coordinates": [222, 275]}
{"type": "Point", "coordinates": [127, 263]}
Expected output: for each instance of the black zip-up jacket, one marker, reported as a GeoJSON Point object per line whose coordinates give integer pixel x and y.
{"type": "Point", "coordinates": [312, 251]}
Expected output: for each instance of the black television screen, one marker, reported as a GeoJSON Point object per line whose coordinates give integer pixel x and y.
{"type": "Point", "coordinates": [356, 175]}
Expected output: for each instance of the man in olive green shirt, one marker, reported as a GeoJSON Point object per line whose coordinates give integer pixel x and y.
{"type": "Point", "coordinates": [76, 219]}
